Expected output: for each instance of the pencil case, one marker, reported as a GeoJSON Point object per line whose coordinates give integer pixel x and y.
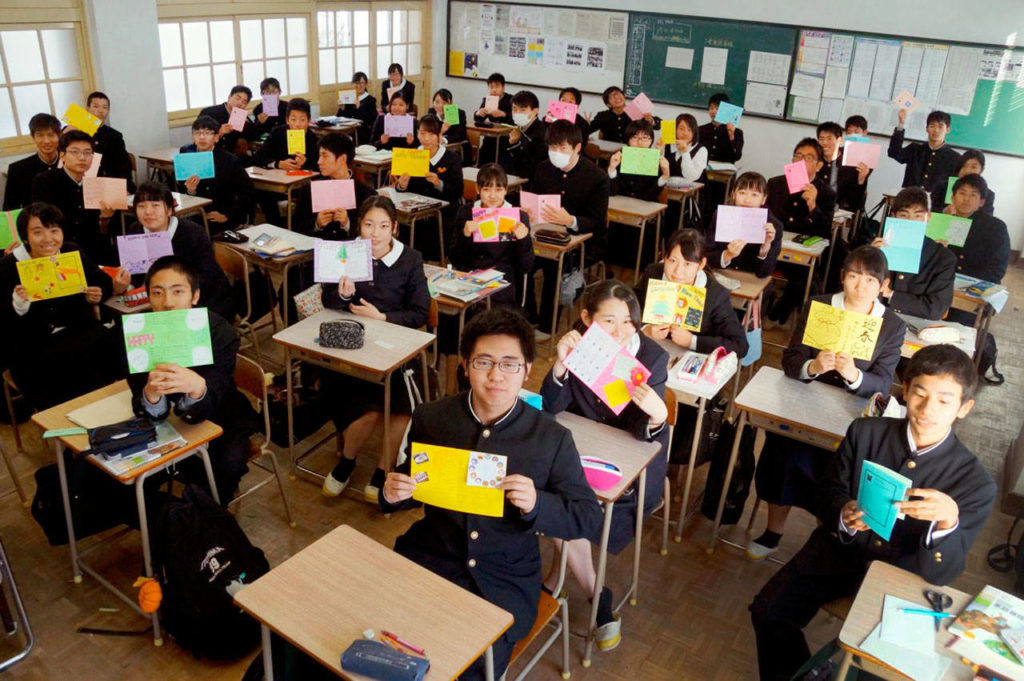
{"type": "Point", "coordinates": [120, 437]}
{"type": "Point", "coordinates": [375, 660]}
{"type": "Point", "coordinates": [551, 236]}
{"type": "Point", "coordinates": [342, 334]}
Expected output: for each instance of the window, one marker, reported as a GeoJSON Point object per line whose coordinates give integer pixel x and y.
{"type": "Point", "coordinates": [344, 41]}
{"type": "Point", "coordinates": [399, 40]}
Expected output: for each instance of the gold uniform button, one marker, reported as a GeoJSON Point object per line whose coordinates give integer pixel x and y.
{"type": "Point", "coordinates": [474, 535]}
{"type": "Point", "coordinates": [938, 554]}
{"type": "Point", "coordinates": [878, 542]}
{"type": "Point", "coordinates": [487, 432]}
{"type": "Point", "coordinates": [938, 559]}
{"type": "Point", "coordinates": [911, 465]}
{"type": "Point", "coordinates": [471, 562]}
{"type": "Point", "coordinates": [899, 276]}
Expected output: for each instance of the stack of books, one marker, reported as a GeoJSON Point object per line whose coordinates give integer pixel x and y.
{"type": "Point", "coordinates": [990, 633]}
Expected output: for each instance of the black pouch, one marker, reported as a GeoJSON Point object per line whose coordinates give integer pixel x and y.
{"type": "Point", "coordinates": [121, 436]}
{"type": "Point", "coordinates": [343, 334]}
{"type": "Point", "coordinates": [551, 236]}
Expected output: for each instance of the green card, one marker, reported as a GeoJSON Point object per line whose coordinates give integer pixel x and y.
{"type": "Point", "coordinates": [451, 114]}
{"type": "Point", "coordinates": [179, 337]}
{"type": "Point", "coordinates": [640, 161]}
{"type": "Point", "coordinates": [8, 228]}
{"type": "Point", "coordinates": [949, 189]}
{"type": "Point", "coordinates": [949, 228]}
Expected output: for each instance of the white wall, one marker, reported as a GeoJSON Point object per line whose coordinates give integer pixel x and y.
{"type": "Point", "coordinates": [769, 143]}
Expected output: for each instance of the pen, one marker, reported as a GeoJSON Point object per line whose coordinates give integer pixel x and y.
{"type": "Point", "coordinates": [391, 642]}
{"type": "Point", "coordinates": [930, 613]}
{"type": "Point", "coordinates": [415, 649]}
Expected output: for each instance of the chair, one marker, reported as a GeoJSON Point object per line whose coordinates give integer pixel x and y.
{"type": "Point", "coordinates": [468, 190]}
{"type": "Point", "coordinates": [474, 143]}
{"type": "Point", "coordinates": [547, 613]}
{"type": "Point", "coordinates": [8, 587]}
{"type": "Point", "coordinates": [235, 266]}
{"type": "Point", "coordinates": [251, 379]}
{"type": "Point", "coordinates": [8, 387]}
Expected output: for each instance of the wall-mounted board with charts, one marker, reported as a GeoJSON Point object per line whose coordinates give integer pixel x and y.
{"type": "Point", "coordinates": [539, 45]}
{"type": "Point", "coordinates": [839, 74]}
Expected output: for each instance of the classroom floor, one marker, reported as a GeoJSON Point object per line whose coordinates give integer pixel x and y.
{"type": "Point", "coordinates": [691, 621]}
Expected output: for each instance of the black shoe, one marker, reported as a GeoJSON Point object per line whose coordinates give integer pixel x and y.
{"type": "Point", "coordinates": [992, 376]}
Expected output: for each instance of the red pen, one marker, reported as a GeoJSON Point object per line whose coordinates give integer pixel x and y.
{"type": "Point", "coordinates": [415, 649]}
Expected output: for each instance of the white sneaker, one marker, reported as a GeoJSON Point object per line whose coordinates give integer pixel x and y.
{"type": "Point", "coordinates": [757, 551]}
{"type": "Point", "coordinates": [333, 487]}
{"type": "Point", "coordinates": [609, 636]}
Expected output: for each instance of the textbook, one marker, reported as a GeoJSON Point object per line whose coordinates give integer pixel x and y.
{"type": "Point", "coordinates": [980, 626]}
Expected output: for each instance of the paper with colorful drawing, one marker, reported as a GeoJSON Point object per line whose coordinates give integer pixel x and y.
{"type": "Point", "coordinates": [606, 368]}
{"type": "Point", "coordinates": [179, 337]}
{"type": "Point", "coordinates": [333, 260]}
{"type": "Point", "coordinates": [458, 479]}
{"type": "Point", "coordinates": [677, 304]}
{"type": "Point", "coordinates": [53, 276]}
{"type": "Point", "coordinates": [838, 330]}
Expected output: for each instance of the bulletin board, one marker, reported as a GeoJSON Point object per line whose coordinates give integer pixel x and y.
{"type": "Point", "coordinates": [537, 45]}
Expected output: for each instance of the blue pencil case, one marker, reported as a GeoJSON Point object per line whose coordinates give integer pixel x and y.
{"type": "Point", "coordinates": [376, 660]}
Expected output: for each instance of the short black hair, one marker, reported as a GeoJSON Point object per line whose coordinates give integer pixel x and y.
{"type": "Point", "coordinates": [939, 117]}
{"type": "Point", "coordinates": [910, 197]}
{"type": "Point", "coordinates": [269, 82]}
{"type": "Point", "coordinates": [868, 260]}
{"type": "Point", "coordinates": [944, 359]}
{"type": "Point", "coordinates": [445, 94]}
{"type": "Point", "coordinates": [608, 93]}
{"type": "Point", "coordinates": [299, 104]}
{"type": "Point", "coordinates": [499, 321]}
{"type": "Point", "coordinates": [339, 145]}
{"type": "Point", "coordinates": [641, 125]}
{"type": "Point", "coordinates": [430, 123]}
{"type": "Point", "coordinates": [576, 94]}
{"type": "Point", "coordinates": [525, 98]}
{"type": "Point", "coordinates": [75, 135]}
{"type": "Point", "coordinates": [496, 78]}
{"type": "Point", "coordinates": [563, 131]}
{"type": "Point", "coordinates": [47, 213]}
{"type": "Point", "coordinates": [241, 88]}
{"type": "Point", "coordinates": [597, 293]}
{"type": "Point", "coordinates": [977, 182]}
{"type": "Point", "coordinates": [690, 243]}
{"type": "Point", "coordinates": [398, 95]}
{"type": "Point", "coordinates": [42, 122]}
{"type": "Point", "coordinates": [377, 201]}
{"type": "Point", "coordinates": [492, 175]}
{"type": "Point", "coordinates": [717, 98]}
{"type": "Point", "coordinates": [813, 143]}
{"type": "Point", "coordinates": [96, 95]}
{"type": "Point", "coordinates": [830, 127]}
{"type": "Point", "coordinates": [857, 121]}
{"type": "Point", "coordinates": [396, 68]}
{"type": "Point", "coordinates": [153, 191]}
{"type": "Point", "coordinates": [205, 123]}
{"type": "Point", "coordinates": [176, 263]}
{"type": "Point", "coordinates": [749, 180]}
{"type": "Point", "coordinates": [970, 155]}
{"type": "Point", "coordinates": [691, 123]}
{"type": "Point", "coordinates": [358, 76]}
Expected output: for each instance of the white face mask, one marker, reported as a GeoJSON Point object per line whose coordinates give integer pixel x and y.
{"type": "Point", "coordinates": [559, 159]}
{"type": "Point", "coordinates": [521, 119]}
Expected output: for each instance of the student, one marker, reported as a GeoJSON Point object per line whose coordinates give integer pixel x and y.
{"type": "Point", "coordinates": [265, 122]}
{"type": "Point", "coordinates": [929, 293]}
{"type": "Point", "coordinates": [109, 143]}
{"type": "Point", "coordinates": [788, 471]}
{"type": "Point", "coordinates": [584, 191]}
{"type": "Point", "coordinates": [749, 190]}
{"type": "Point", "coordinates": [452, 134]}
{"type": "Point", "coordinates": [396, 79]}
{"type": "Point", "coordinates": [929, 164]}
{"type": "Point", "coordinates": [848, 182]}
{"type": "Point", "coordinates": [856, 125]}
{"type": "Point", "coordinates": [947, 507]}
{"type": "Point", "coordinates": [230, 188]}
{"type": "Point", "coordinates": [546, 491]}
{"type": "Point", "coordinates": [527, 147]}
{"type": "Point", "coordinates": [88, 228]}
{"type": "Point", "coordinates": [45, 131]}
{"type": "Point", "coordinates": [611, 123]}
{"type": "Point", "coordinates": [275, 154]}
{"type": "Point", "coordinates": [572, 95]}
{"type": "Point", "coordinates": [985, 255]}
{"type": "Point", "coordinates": [202, 393]}
{"type": "Point", "coordinates": [336, 153]}
{"type": "Point", "coordinates": [378, 138]}
{"type": "Point", "coordinates": [365, 108]}
{"type": "Point", "coordinates": [685, 263]}
{"type": "Point", "coordinates": [490, 116]}
{"type": "Point", "coordinates": [611, 305]}
{"type": "Point", "coordinates": [972, 162]}
{"type": "Point", "coordinates": [232, 141]}
{"type": "Point", "coordinates": [63, 348]}
{"type": "Point", "coordinates": [397, 294]}
{"type": "Point", "coordinates": [724, 142]}
{"type": "Point", "coordinates": [154, 212]}
{"type": "Point", "coordinates": [809, 212]}
{"type": "Point", "coordinates": [687, 158]}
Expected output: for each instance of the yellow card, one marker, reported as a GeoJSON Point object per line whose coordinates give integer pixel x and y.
{"type": "Point", "coordinates": [442, 477]}
{"type": "Point", "coordinates": [53, 276]}
{"type": "Point", "coordinates": [411, 162]}
{"type": "Point", "coordinates": [296, 142]}
{"type": "Point", "coordinates": [832, 328]}
{"type": "Point", "coordinates": [77, 117]}
{"type": "Point", "coordinates": [616, 392]}
{"type": "Point", "coordinates": [456, 63]}
{"type": "Point", "coordinates": [677, 304]}
{"type": "Point", "coordinates": [668, 132]}
{"type": "Point", "coordinates": [488, 229]}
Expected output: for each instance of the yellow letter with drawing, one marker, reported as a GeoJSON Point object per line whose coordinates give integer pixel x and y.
{"type": "Point", "coordinates": [459, 479]}
{"type": "Point", "coordinates": [671, 303]}
{"type": "Point", "coordinates": [832, 328]}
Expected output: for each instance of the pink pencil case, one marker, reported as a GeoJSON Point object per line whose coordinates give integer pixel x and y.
{"type": "Point", "coordinates": [601, 474]}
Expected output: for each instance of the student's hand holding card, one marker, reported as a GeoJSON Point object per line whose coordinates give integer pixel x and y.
{"type": "Point", "coordinates": [647, 398]}
{"type": "Point", "coordinates": [614, 161]}
{"type": "Point", "coordinates": [680, 336]}
{"type": "Point", "coordinates": [901, 118]}
{"type": "Point", "coordinates": [657, 331]}
{"type": "Point", "coordinates": [385, 138]}
{"type": "Point", "coordinates": [557, 216]}
{"type": "Point", "coordinates": [823, 363]}
{"type": "Point", "coordinates": [663, 166]}
{"type": "Point", "coordinates": [731, 129]}
{"type": "Point", "coordinates": [851, 516]}
{"type": "Point", "coordinates": [521, 231]}
{"type": "Point", "coordinates": [346, 289]}
{"type": "Point", "coordinates": [191, 184]}
{"type": "Point", "coordinates": [365, 308]}
{"type": "Point", "coordinates": [409, 138]}
{"type": "Point", "coordinates": [93, 295]}
{"type": "Point", "coordinates": [169, 379]}
{"type": "Point", "coordinates": [566, 344]}
{"type": "Point", "coordinates": [520, 492]}
{"type": "Point", "coordinates": [22, 293]}
{"type": "Point", "coordinates": [433, 179]}
{"type": "Point", "coordinates": [810, 195]}
{"type": "Point", "coordinates": [845, 366]}
{"type": "Point", "coordinates": [862, 172]}
{"type": "Point", "coordinates": [398, 487]}
{"type": "Point", "coordinates": [933, 506]}
{"type": "Point", "coordinates": [122, 280]}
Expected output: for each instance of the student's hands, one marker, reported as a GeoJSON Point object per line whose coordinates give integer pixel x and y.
{"type": "Point", "coordinates": [587, 116]}
{"type": "Point", "coordinates": [515, 135]}
{"type": "Point", "coordinates": [879, 242]}
{"type": "Point", "coordinates": [445, 127]}
{"type": "Point", "coordinates": [10, 249]}
{"type": "Point", "coordinates": [521, 231]}
{"type": "Point", "coordinates": [192, 184]}
{"type": "Point", "coordinates": [823, 363]}
{"type": "Point", "coordinates": [300, 161]}
{"type": "Point", "coordinates": [409, 138]}
{"type": "Point", "coordinates": [402, 183]}
{"type": "Point", "coordinates": [324, 218]}
{"type": "Point", "coordinates": [647, 398]}
{"type": "Point", "coordinates": [122, 280]}
{"type": "Point", "coordinates": [886, 291]}
{"type": "Point", "coordinates": [944, 242]}
{"type": "Point", "coordinates": [468, 228]}
{"type": "Point", "coordinates": [262, 118]}
{"type": "Point", "coordinates": [346, 289]}
{"type": "Point", "coordinates": [769, 233]}
{"type": "Point", "coordinates": [851, 516]}
{"type": "Point", "coordinates": [289, 164]}
{"type": "Point", "coordinates": [862, 172]}
{"type": "Point", "coordinates": [649, 117]}
{"type": "Point", "coordinates": [168, 379]}
{"type": "Point", "coordinates": [106, 212]}
{"type": "Point", "coordinates": [901, 118]}
{"type": "Point", "coordinates": [845, 366]}
{"type": "Point", "coordinates": [682, 146]}
{"type": "Point", "coordinates": [216, 216]}
{"type": "Point", "coordinates": [556, 216]}
{"type": "Point", "coordinates": [680, 336]}
{"type": "Point", "coordinates": [663, 164]}
{"type": "Point", "coordinates": [735, 247]}
{"type": "Point", "coordinates": [367, 309]}
{"type": "Point", "coordinates": [614, 161]}
{"type": "Point", "coordinates": [565, 345]}
{"type": "Point", "coordinates": [657, 332]}
{"type": "Point", "coordinates": [810, 195]}
{"type": "Point", "coordinates": [385, 138]}
{"type": "Point", "coordinates": [398, 487]}
{"type": "Point", "coordinates": [224, 129]}
{"type": "Point", "coordinates": [934, 506]}
{"type": "Point", "coordinates": [93, 294]}
{"type": "Point", "coordinates": [433, 179]}
{"type": "Point", "coordinates": [948, 210]}
{"type": "Point", "coordinates": [21, 292]}
{"type": "Point", "coordinates": [731, 129]}
{"type": "Point", "coordinates": [481, 112]}
{"type": "Point", "coordinates": [520, 492]}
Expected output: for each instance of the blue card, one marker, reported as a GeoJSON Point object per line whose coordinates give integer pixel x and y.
{"type": "Point", "coordinates": [196, 163]}
{"type": "Point", "coordinates": [877, 494]}
{"type": "Point", "coordinates": [728, 113]}
{"type": "Point", "coordinates": [532, 399]}
{"type": "Point", "coordinates": [858, 138]}
{"type": "Point", "coordinates": [904, 240]}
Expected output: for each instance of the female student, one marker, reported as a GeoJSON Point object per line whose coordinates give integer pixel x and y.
{"type": "Point", "coordinates": [613, 306]}
{"type": "Point", "coordinates": [63, 348]}
{"type": "Point", "coordinates": [365, 108]}
{"type": "Point", "coordinates": [453, 134]}
{"type": "Point", "coordinates": [787, 470]}
{"type": "Point", "coordinates": [396, 81]}
{"type": "Point", "coordinates": [378, 138]}
{"type": "Point", "coordinates": [572, 95]}
{"type": "Point", "coordinates": [972, 162]}
{"type": "Point", "coordinates": [154, 210]}
{"type": "Point", "coordinates": [687, 158]}
{"type": "Point", "coordinates": [749, 190]}
{"type": "Point", "coordinates": [684, 264]}
{"type": "Point", "coordinates": [397, 294]}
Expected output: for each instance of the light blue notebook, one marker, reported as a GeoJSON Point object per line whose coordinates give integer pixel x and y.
{"type": "Point", "coordinates": [877, 494]}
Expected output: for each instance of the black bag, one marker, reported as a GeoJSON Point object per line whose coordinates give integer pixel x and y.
{"type": "Point", "coordinates": [742, 475]}
{"type": "Point", "coordinates": [202, 557]}
{"type": "Point", "coordinates": [122, 436]}
{"type": "Point", "coordinates": [709, 434]}
{"type": "Point", "coordinates": [343, 334]}
{"type": "Point", "coordinates": [551, 236]}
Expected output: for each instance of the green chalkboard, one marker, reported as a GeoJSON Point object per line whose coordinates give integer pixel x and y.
{"type": "Point", "coordinates": [996, 120]}
{"type": "Point", "coordinates": [661, 46]}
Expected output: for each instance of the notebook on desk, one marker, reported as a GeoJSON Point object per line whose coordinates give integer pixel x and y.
{"type": "Point", "coordinates": [113, 409]}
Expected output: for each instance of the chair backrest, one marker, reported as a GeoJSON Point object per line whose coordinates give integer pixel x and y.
{"type": "Point", "coordinates": [474, 138]}
{"type": "Point", "coordinates": [233, 264]}
{"type": "Point", "coordinates": [468, 190]}
{"type": "Point", "coordinates": [670, 402]}
{"type": "Point", "coordinates": [432, 315]}
{"type": "Point", "coordinates": [251, 378]}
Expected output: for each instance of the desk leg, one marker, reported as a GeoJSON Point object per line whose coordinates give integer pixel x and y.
{"type": "Point", "coordinates": [844, 666]}
{"type": "Point", "coordinates": [386, 440]}
{"type": "Point", "coordinates": [810, 280]}
{"type": "Point", "coordinates": [440, 235]}
{"type": "Point", "coordinates": [268, 658]}
{"type": "Point", "coordinates": [640, 253]}
{"type": "Point", "coordinates": [634, 588]}
{"type": "Point", "coordinates": [206, 223]}
{"type": "Point", "coordinates": [728, 478]}
{"type": "Point", "coordinates": [684, 207]}
{"type": "Point", "coordinates": [412, 232]}
{"type": "Point", "coordinates": [66, 497]}
{"type": "Point", "coordinates": [289, 387]}
{"type": "Point", "coordinates": [828, 260]}
{"type": "Point", "coordinates": [147, 555]}
{"type": "Point", "coordinates": [701, 406]}
{"type": "Point", "coordinates": [284, 294]}
{"type": "Point", "coordinates": [557, 302]}
{"type": "Point", "coordinates": [288, 219]}
{"type": "Point", "coordinates": [657, 237]}
{"type": "Point", "coordinates": [204, 453]}
{"type": "Point", "coordinates": [489, 663]}
{"type": "Point", "coordinates": [602, 564]}
{"type": "Point", "coordinates": [981, 324]}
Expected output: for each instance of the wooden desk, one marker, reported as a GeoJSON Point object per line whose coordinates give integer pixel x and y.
{"type": "Point", "coordinates": [469, 174]}
{"type": "Point", "coordinates": [279, 264]}
{"type": "Point", "coordinates": [982, 309]}
{"type": "Point", "coordinates": [386, 348]}
{"type": "Point", "coordinates": [412, 207]}
{"type": "Point", "coordinates": [912, 342]}
{"type": "Point", "coordinates": [601, 150]}
{"type": "Point", "coordinates": [687, 198]}
{"type": "Point", "coordinates": [632, 456]}
{"type": "Point", "coordinates": [322, 599]}
{"type": "Point", "coordinates": [806, 256]}
{"type": "Point", "coordinates": [775, 403]}
{"type": "Point", "coordinates": [453, 306]}
{"type": "Point", "coordinates": [196, 435]}
{"type": "Point", "coordinates": [881, 579]}
{"type": "Point", "coordinates": [557, 253]}
{"type": "Point", "coordinates": [373, 164]}
{"type": "Point", "coordinates": [184, 204]}
{"type": "Point", "coordinates": [277, 181]}
{"type": "Point", "coordinates": [160, 161]}
{"type": "Point", "coordinates": [346, 126]}
{"type": "Point", "coordinates": [721, 172]}
{"type": "Point", "coordinates": [637, 213]}
{"type": "Point", "coordinates": [497, 131]}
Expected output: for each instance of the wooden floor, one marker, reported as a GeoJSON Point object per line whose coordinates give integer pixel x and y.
{"type": "Point", "coordinates": [691, 621]}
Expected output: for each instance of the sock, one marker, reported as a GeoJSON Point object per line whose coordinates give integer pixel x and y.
{"type": "Point", "coordinates": [769, 539]}
{"type": "Point", "coordinates": [344, 469]}
{"type": "Point", "coordinates": [377, 480]}
{"type": "Point", "coordinates": [604, 607]}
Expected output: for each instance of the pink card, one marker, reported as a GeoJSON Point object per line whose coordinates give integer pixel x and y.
{"type": "Point", "coordinates": [796, 176]}
{"type": "Point", "coordinates": [533, 204]}
{"type": "Point", "coordinates": [565, 111]}
{"type": "Point", "coordinates": [397, 126]}
{"type": "Point", "coordinates": [238, 118]}
{"type": "Point", "coordinates": [640, 105]}
{"type": "Point", "coordinates": [494, 224]}
{"type": "Point", "coordinates": [905, 100]}
{"type": "Point", "coordinates": [270, 105]}
{"type": "Point", "coordinates": [736, 222]}
{"type": "Point", "coordinates": [492, 102]}
{"type": "Point", "coordinates": [333, 194]}
{"type": "Point", "coordinates": [861, 152]}
{"type": "Point", "coordinates": [94, 167]}
{"type": "Point", "coordinates": [112, 191]}
{"type": "Point", "coordinates": [605, 367]}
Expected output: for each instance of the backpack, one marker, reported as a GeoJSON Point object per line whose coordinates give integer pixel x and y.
{"type": "Point", "coordinates": [742, 475]}
{"type": "Point", "coordinates": [202, 557]}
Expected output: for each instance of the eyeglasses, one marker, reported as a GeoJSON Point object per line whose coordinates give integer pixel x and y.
{"type": "Point", "coordinates": [505, 366]}
{"type": "Point", "coordinates": [79, 153]}
{"type": "Point", "coordinates": [813, 158]}
{"type": "Point", "coordinates": [641, 139]}
{"type": "Point", "coordinates": [204, 133]}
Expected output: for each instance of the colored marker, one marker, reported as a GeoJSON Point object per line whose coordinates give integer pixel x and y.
{"type": "Point", "coordinates": [415, 649]}
{"type": "Point", "coordinates": [929, 613]}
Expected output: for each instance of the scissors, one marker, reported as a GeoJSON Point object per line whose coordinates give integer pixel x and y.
{"type": "Point", "coordinates": [939, 601]}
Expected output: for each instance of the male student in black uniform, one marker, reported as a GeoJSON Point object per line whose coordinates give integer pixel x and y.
{"type": "Point", "coordinates": [611, 123]}
{"type": "Point", "coordinates": [850, 183]}
{"type": "Point", "coordinates": [527, 147]}
{"type": "Point", "coordinates": [230, 140]}
{"type": "Point", "coordinates": [545, 489]}
{"type": "Point", "coordinates": [946, 508]}
{"type": "Point", "coordinates": [45, 131]}
{"type": "Point", "coordinates": [724, 142]}
{"type": "Point", "coordinates": [264, 121]}
{"type": "Point", "coordinates": [856, 125]}
{"type": "Point", "coordinates": [109, 142]}
{"type": "Point", "coordinates": [275, 153]}
{"type": "Point", "coordinates": [230, 188]}
{"type": "Point", "coordinates": [334, 161]}
{"type": "Point", "coordinates": [583, 188]}
{"type": "Point", "coordinates": [928, 164]}
{"type": "Point", "coordinates": [490, 116]}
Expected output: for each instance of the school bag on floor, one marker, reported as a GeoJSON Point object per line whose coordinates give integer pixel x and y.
{"type": "Point", "coordinates": [202, 557]}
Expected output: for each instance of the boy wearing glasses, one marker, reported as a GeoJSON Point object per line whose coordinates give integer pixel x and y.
{"type": "Point", "coordinates": [230, 188]}
{"type": "Point", "coordinates": [545, 489]}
